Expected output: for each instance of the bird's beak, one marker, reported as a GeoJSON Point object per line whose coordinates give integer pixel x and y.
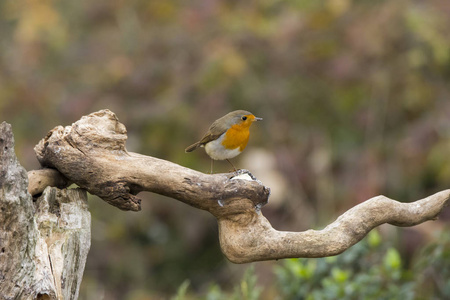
{"type": "Point", "coordinates": [258, 119]}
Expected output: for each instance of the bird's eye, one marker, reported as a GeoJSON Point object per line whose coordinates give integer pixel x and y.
{"type": "Point", "coordinates": [244, 118]}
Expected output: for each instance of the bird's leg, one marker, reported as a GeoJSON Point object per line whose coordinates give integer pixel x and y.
{"type": "Point", "coordinates": [231, 164]}
{"type": "Point", "coordinates": [212, 164]}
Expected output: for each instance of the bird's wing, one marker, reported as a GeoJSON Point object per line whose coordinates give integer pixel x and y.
{"type": "Point", "coordinates": [214, 132]}
{"type": "Point", "coordinates": [210, 136]}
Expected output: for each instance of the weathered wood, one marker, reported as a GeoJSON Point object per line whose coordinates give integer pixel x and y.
{"type": "Point", "coordinates": [43, 244]}
{"type": "Point", "coordinates": [265, 243]}
{"type": "Point", "coordinates": [91, 152]}
{"type": "Point", "coordinates": [38, 180]}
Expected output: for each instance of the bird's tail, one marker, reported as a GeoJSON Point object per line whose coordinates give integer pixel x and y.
{"type": "Point", "coordinates": [192, 147]}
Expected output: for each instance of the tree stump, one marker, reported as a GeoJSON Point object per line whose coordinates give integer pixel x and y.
{"type": "Point", "coordinates": [44, 241]}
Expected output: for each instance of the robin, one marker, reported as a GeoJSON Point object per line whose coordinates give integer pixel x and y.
{"type": "Point", "coordinates": [227, 136]}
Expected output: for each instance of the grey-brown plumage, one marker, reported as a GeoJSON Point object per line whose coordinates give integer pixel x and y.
{"type": "Point", "coordinates": [218, 128]}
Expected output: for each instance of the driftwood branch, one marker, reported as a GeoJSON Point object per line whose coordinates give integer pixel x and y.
{"type": "Point", "coordinates": [44, 242]}
{"type": "Point", "coordinates": [38, 180]}
{"type": "Point", "coordinates": [92, 154]}
{"type": "Point", "coordinates": [259, 241]}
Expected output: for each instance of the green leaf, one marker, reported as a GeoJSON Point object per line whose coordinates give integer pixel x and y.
{"type": "Point", "coordinates": [181, 293]}
{"type": "Point", "coordinates": [374, 239]}
{"type": "Point", "coordinates": [392, 259]}
{"type": "Point", "coordinates": [340, 275]}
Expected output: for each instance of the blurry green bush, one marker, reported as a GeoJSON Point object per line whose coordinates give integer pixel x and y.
{"type": "Point", "coordinates": [369, 270]}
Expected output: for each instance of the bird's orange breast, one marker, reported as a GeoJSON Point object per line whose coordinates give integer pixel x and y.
{"type": "Point", "coordinates": [236, 136]}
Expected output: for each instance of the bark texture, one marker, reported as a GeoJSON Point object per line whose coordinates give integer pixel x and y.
{"type": "Point", "coordinates": [44, 241]}
{"type": "Point", "coordinates": [91, 152]}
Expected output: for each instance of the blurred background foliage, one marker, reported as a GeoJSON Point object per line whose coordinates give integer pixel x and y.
{"type": "Point", "coordinates": [355, 97]}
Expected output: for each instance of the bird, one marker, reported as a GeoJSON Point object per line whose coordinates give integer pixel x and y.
{"type": "Point", "coordinates": [227, 137]}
